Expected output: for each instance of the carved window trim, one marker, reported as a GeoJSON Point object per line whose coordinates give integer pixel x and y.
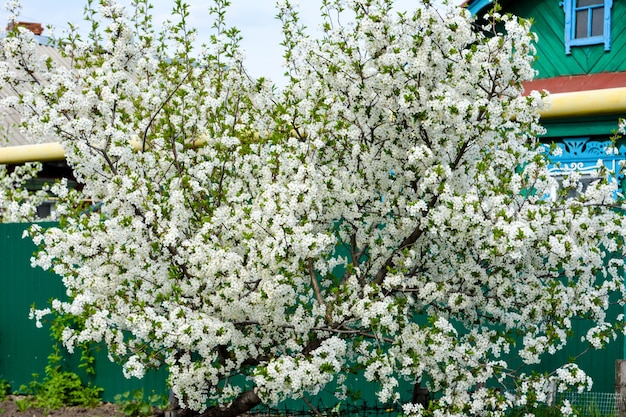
{"type": "Point", "coordinates": [586, 156]}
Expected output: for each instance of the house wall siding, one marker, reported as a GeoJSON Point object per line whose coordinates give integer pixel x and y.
{"type": "Point", "coordinates": [549, 24]}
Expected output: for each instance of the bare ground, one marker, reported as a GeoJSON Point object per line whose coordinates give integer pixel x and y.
{"type": "Point", "coordinates": [9, 408]}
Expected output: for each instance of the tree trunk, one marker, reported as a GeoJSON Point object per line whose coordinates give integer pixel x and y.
{"type": "Point", "coordinates": [245, 402]}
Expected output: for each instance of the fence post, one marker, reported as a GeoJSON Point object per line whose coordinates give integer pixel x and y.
{"type": "Point", "coordinates": [620, 386]}
{"type": "Point", "coordinates": [552, 394]}
{"type": "Point", "coordinates": [420, 395]}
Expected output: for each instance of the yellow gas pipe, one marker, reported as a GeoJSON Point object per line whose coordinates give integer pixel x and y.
{"type": "Point", "coordinates": [562, 105]}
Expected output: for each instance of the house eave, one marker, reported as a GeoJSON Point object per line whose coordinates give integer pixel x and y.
{"type": "Point", "coordinates": [476, 6]}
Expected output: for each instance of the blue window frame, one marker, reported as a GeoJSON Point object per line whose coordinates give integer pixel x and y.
{"type": "Point", "coordinates": [587, 22]}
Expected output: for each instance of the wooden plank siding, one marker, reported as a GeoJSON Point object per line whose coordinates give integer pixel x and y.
{"type": "Point", "coordinates": [549, 24]}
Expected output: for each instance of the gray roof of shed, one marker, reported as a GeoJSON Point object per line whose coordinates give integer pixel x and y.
{"type": "Point", "coordinates": [9, 122]}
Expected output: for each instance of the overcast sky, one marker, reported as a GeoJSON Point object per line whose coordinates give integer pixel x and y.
{"type": "Point", "coordinates": [255, 18]}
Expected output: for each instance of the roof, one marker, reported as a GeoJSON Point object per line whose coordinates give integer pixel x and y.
{"type": "Point", "coordinates": [569, 83]}
{"type": "Point", "coordinates": [476, 6]}
{"type": "Point", "coordinates": [9, 122]}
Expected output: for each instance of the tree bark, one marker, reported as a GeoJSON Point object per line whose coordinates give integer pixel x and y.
{"type": "Point", "coordinates": [246, 401]}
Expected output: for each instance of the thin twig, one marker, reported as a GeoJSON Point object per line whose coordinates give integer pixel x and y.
{"type": "Point", "coordinates": [315, 284]}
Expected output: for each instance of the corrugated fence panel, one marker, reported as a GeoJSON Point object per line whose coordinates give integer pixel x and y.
{"type": "Point", "coordinates": [24, 348]}
{"type": "Point", "coordinates": [598, 364]}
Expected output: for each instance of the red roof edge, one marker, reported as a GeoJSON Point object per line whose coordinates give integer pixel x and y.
{"type": "Point", "coordinates": [34, 27]}
{"type": "Point", "coordinates": [570, 83]}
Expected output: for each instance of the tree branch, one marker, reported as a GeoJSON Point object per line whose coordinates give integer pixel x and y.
{"type": "Point", "coordinates": [315, 284]}
{"type": "Point", "coordinates": [246, 401]}
{"type": "Point", "coordinates": [411, 239]}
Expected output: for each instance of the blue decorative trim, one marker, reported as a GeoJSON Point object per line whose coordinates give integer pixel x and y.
{"type": "Point", "coordinates": [586, 156]}
{"type": "Point", "coordinates": [569, 7]}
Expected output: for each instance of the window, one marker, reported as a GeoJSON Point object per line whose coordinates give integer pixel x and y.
{"type": "Point", "coordinates": [587, 22]}
{"type": "Point", "coordinates": [589, 19]}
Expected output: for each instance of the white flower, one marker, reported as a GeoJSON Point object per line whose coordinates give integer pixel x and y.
{"type": "Point", "coordinates": [385, 209]}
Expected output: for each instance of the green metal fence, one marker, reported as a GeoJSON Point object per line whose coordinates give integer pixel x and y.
{"type": "Point", "coordinates": [24, 348]}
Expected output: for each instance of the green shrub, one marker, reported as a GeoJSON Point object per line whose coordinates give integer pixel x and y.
{"type": "Point", "coordinates": [134, 405]}
{"type": "Point", "coordinates": [5, 389]}
{"type": "Point", "coordinates": [60, 387]}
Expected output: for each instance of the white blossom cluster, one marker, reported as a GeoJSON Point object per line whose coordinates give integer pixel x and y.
{"type": "Point", "coordinates": [17, 202]}
{"type": "Point", "coordinates": [384, 212]}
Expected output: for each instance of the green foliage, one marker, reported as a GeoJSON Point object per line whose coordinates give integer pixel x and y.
{"type": "Point", "coordinates": [22, 405]}
{"type": "Point", "coordinates": [133, 403]}
{"type": "Point", "coordinates": [591, 410]}
{"type": "Point", "coordinates": [60, 387]}
{"type": "Point", "coordinates": [542, 411]}
{"type": "Point", "coordinates": [5, 389]}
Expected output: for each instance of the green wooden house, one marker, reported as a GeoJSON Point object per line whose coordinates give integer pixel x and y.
{"type": "Point", "coordinates": [581, 61]}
